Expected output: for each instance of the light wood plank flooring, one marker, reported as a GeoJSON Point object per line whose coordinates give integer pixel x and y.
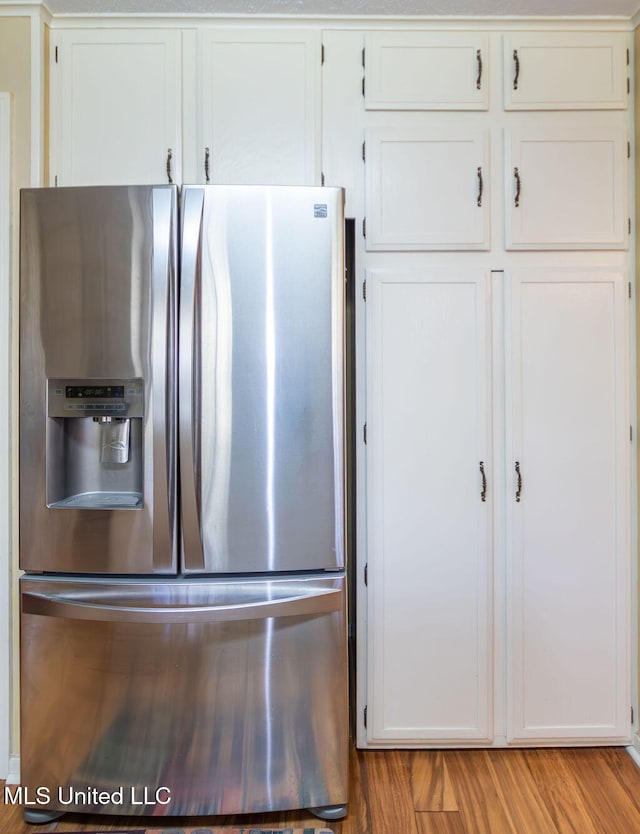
{"type": "Point", "coordinates": [558, 791]}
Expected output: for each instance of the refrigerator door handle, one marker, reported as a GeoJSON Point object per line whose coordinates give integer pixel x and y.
{"type": "Point", "coordinates": [192, 211]}
{"type": "Point", "coordinates": [317, 602]}
{"type": "Point", "coordinates": [163, 376]}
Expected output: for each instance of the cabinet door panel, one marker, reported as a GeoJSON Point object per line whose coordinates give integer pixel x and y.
{"type": "Point", "coordinates": [565, 71]}
{"type": "Point", "coordinates": [566, 188]}
{"type": "Point", "coordinates": [429, 530]}
{"type": "Point", "coordinates": [426, 71]}
{"type": "Point", "coordinates": [427, 189]}
{"type": "Point", "coordinates": [569, 565]}
{"type": "Point", "coordinates": [116, 107]}
{"type": "Point", "coordinates": [259, 105]}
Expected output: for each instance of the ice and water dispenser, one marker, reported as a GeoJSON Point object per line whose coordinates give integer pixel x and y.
{"type": "Point", "coordinates": [95, 443]}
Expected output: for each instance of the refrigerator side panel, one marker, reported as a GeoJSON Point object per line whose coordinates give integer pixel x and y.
{"type": "Point", "coordinates": [208, 698]}
{"type": "Point", "coordinates": [268, 380]}
{"type": "Point", "coordinates": [97, 366]}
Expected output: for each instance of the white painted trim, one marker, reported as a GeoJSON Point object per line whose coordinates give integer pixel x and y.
{"type": "Point", "coordinates": [634, 749]}
{"type": "Point", "coordinates": [13, 777]}
{"type": "Point", "coordinates": [5, 450]}
{"type": "Point", "coordinates": [337, 21]}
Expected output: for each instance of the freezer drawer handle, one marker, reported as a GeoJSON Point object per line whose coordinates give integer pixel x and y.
{"type": "Point", "coordinates": [322, 602]}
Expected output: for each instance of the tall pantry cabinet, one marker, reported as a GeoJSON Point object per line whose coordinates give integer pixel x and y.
{"type": "Point", "coordinates": [496, 227]}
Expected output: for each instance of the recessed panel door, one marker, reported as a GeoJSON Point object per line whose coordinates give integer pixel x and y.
{"type": "Point", "coordinates": [427, 188]}
{"type": "Point", "coordinates": [430, 487]}
{"type": "Point", "coordinates": [568, 454]}
{"type": "Point", "coordinates": [566, 188]}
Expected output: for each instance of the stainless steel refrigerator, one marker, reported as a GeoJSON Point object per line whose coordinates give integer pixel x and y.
{"type": "Point", "coordinates": [183, 613]}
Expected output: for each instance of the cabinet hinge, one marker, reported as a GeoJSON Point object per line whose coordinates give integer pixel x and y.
{"type": "Point", "coordinates": [364, 151]}
{"type": "Point", "coordinates": [364, 290]}
{"type": "Point", "coordinates": [364, 227]}
{"type": "Point", "coordinates": [55, 181]}
{"type": "Point", "coordinates": [364, 717]}
{"type": "Point", "coordinates": [631, 434]}
{"type": "Point", "coordinates": [363, 50]}
{"type": "Point", "coordinates": [56, 53]}
{"type": "Point", "coordinates": [628, 58]}
{"type": "Point", "coordinates": [321, 177]}
{"type": "Point", "coordinates": [366, 575]}
{"type": "Point", "coordinates": [628, 86]}
{"type": "Point", "coordinates": [322, 55]}
{"type": "Point", "coordinates": [632, 715]}
{"type": "Point", "coordinates": [363, 85]}
{"type": "Point", "coordinates": [364, 433]}
{"type": "Point", "coordinates": [628, 150]}
{"type": "Point", "coordinates": [629, 289]}
{"type": "Point", "coordinates": [629, 225]}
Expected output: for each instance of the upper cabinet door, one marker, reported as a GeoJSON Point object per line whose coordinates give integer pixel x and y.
{"type": "Point", "coordinates": [565, 71]}
{"type": "Point", "coordinates": [115, 107]}
{"type": "Point", "coordinates": [567, 188]}
{"type": "Point", "coordinates": [426, 71]}
{"type": "Point", "coordinates": [427, 188]}
{"type": "Point", "coordinates": [259, 106]}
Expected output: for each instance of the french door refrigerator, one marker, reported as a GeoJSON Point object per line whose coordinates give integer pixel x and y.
{"type": "Point", "coordinates": [183, 623]}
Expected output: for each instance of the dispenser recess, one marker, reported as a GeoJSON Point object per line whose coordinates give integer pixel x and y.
{"type": "Point", "coordinates": [95, 444]}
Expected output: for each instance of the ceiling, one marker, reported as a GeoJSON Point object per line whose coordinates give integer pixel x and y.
{"type": "Point", "coordinates": [474, 8]}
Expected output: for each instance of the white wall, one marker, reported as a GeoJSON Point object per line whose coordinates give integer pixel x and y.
{"type": "Point", "coordinates": [5, 527]}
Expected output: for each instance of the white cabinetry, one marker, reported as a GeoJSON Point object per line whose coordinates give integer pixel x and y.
{"type": "Point", "coordinates": [259, 105]}
{"type": "Point", "coordinates": [565, 496]}
{"type": "Point", "coordinates": [565, 71]}
{"type": "Point", "coordinates": [429, 509]}
{"type": "Point", "coordinates": [569, 566]}
{"type": "Point", "coordinates": [426, 71]}
{"type": "Point", "coordinates": [115, 109]}
{"type": "Point", "coordinates": [427, 188]}
{"type": "Point", "coordinates": [251, 115]}
{"type": "Point", "coordinates": [567, 187]}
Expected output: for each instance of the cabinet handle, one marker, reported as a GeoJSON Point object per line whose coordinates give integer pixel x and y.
{"type": "Point", "coordinates": [516, 174]}
{"type": "Point", "coordinates": [519, 487]}
{"type": "Point", "coordinates": [480, 187]}
{"type": "Point", "coordinates": [479, 78]}
{"type": "Point", "coordinates": [483, 494]}
{"type": "Point", "coordinates": [516, 61]}
{"type": "Point", "coordinates": [169, 158]}
{"type": "Point", "coordinates": [206, 165]}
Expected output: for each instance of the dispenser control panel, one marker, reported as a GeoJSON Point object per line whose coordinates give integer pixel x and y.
{"type": "Point", "coordinates": [94, 391]}
{"type": "Point", "coordinates": [95, 397]}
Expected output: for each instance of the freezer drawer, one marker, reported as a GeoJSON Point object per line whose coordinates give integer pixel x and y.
{"type": "Point", "coordinates": [193, 697]}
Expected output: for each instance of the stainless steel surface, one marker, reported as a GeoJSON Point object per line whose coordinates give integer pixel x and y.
{"type": "Point", "coordinates": [163, 378]}
{"type": "Point", "coordinates": [192, 553]}
{"type": "Point", "coordinates": [114, 439]}
{"type": "Point", "coordinates": [262, 379]}
{"type": "Point", "coordinates": [231, 716]}
{"type": "Point", "coordinates": [226, 692]}
{"type": "Point", "coordinates": [90, 310]}
{"type": "Point", "coordinates": [242, 607]}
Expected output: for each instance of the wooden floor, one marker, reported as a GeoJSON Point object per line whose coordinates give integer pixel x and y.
{"type": "Point", "coordinates": [577, 791]}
